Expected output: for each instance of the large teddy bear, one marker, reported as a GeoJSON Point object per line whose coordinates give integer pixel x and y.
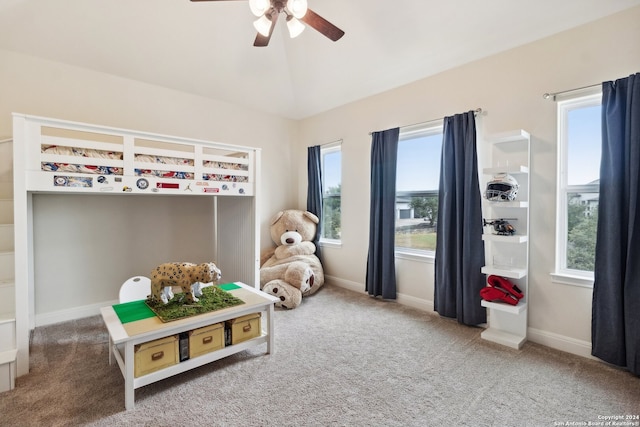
{"type": "Point", "coordinates": [292, 269]}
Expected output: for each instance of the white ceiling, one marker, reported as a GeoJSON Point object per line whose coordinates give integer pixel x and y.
{"type": "Point", "coordinates": [206, 48]}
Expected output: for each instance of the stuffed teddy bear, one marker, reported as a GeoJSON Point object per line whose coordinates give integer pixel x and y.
{"type": "Point", "coordinates": [292, 269]}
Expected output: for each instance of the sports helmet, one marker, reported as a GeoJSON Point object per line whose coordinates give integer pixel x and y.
{"type": "Point", "coordinates": [502, 188]}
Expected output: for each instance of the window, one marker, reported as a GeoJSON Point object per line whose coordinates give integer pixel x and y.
{"type": "Point", "coordinates": [579, 150]}
{"type": "Point", "coordinates": [331, 187]}
{"type": "Point", "coordinates": [417, 183]}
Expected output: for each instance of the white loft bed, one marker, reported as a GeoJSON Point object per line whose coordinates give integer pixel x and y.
{"type": "Point", "coordinates": [60, 157]}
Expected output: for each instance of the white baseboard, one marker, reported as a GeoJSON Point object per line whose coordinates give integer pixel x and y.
{"type": "Point", "coordinates": [419, 303]}
{"type": "Point", "coordinates": [560, 342]}
{"type": "Point", "coordinates": [403, 299]}
{"type": "Point", "coordinates": [344, 283]}
{"type": "Point", "coordinates": [74, 313]}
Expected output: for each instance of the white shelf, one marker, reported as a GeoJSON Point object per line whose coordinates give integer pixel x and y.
{"type": "Point", "coordinates": [504, 338]}
{"type": "Point", "coordinates": [516, 204]}
{"type": "Point", "coordinates": [195, 362]}
{"type": "Point", "coordinates": [511, 273]}
{"type": "Point", "coordinates": [510, 136]}
{"type": "Point", "coordinates": [516, 238]}
{"type": "Point", "coordinates": [503, 306]}
{"type": "Point", "coordinates": [513, 169]}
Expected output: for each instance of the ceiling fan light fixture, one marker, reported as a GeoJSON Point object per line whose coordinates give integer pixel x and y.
{"type": "Point", "coordinates": [298, 8]}
{"type": "Point", "coordinates": [259, 7]}
{"type": "Point", "coordinates": [263, 25]}
{"type": "Point", "coordinates": [295, 27]}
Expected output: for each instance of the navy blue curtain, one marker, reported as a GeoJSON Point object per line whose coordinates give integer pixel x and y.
{"type": "Point", "coordinates": [615, 327]}
{"type": "Point", "coordinates": [381, 263]}
{"type": "Point", "coordinates": [459, 247]}
{"type": "Point", "coordinates": [314, 190]}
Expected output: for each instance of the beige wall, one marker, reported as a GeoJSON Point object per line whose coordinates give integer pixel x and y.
{"type": "Point", "coordinates": [39, 87]}
{"type": "Point", "coordinates": [509, 88]}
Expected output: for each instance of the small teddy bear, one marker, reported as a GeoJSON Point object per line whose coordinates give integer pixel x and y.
{"type": "Point", "coordinates": [292, 269]}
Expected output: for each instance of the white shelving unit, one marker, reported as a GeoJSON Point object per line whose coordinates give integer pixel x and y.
{"type": "Point", "coordinates": [508, 256]}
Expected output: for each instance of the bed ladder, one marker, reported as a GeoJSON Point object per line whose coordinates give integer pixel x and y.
{"type": "Point", "coordinates": [8, 351]}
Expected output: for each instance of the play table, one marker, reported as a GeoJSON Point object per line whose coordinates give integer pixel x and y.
{"type": "Point", "coordinates": [125, 335]}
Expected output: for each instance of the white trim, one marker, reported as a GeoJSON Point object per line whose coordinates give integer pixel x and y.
{"type": "Point", "coordinates": [573, 280]}
{"type": "Point", "coordinates": [325, 149]}
{"type": "Point", "coordinates": [578, 93]}
{"type": "Point", "coordinates": [418, 303]}
{"type": "Point", "coordinates": [331, 146]}
{"type": "Point", "coordinates": [330, 243]}
{"type": "Point", "coordinates": [591, 97]}
{"type": "Point", "coordinates": [407, 300]}
{"type": "Point", "coordinates": [420, 130]}
{"type": "Point", "coordinates": [428, 257]}
{"type": "Point", "coordinates": [344, 283]}
{"type": "Point", "coordinates": [409, 133]}
{"type": "Point", "coordinates": [71, 313]}
{"type": "Point", "coordinates": [560, 342]}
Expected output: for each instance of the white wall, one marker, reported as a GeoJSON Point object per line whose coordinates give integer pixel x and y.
{"type": "Point", "coordinates": [81, 227]}
{"type": "Point", "coordinates": [509, 88]}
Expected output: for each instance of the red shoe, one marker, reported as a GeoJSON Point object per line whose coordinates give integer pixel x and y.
{"type": "Point", "coordinates": [505, 284]}
{"type": "Point", "coordinates": [496, 294]}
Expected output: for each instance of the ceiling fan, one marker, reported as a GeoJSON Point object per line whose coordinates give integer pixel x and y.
{"type": "Point", "coordinates": [295, 11]}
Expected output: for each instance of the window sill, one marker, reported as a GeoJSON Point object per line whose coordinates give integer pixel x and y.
{"type": "Point", "coordinates": [573, 280]}
{"type": "Point", "coordinates": [419, 256]}
{"type": "Point", "coordinates": [331, 244]}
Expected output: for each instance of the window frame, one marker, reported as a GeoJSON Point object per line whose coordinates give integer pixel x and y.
{"type": "Point", "coordinates": [434, 127]}
{"type": "Point", "coordinates": [562, 273]}
{"type": "Point", "coordinates": [326, 149]}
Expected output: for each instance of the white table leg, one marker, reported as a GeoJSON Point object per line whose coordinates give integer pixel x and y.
{"type": "Point", "coordinates": [129, 391]}
{"type": "Point", "coordinates": [110, 350]}
{"type": "Point", "coordinates": [270, 329]}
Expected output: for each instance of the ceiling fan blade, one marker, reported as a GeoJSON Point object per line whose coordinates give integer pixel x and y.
{"type": "Point", "coordinates": [321, 25]}
{"type": "Point", "coordinates": [263, 41]}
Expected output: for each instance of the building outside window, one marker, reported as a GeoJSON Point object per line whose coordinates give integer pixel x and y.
{"type": "Point", "coordinates": [417, 183]}
{"type": "Point", "coordinates": [579, 152]}
{"type": "Point", "coordinates": [331, 188]}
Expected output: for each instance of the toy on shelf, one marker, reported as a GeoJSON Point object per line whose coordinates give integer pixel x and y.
{"type": "Point", "coordinates": [501, 289]}
{"type": "Point", "coordinates": [502, 188]}
{"type": "Point", "coordinates": [501, 226]}
{"type": "Point", "coordinates": [188, 276]}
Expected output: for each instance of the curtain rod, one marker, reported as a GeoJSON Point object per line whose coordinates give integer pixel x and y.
{"type": "Point", "coordinates": [475, 112]}
{"type": "Point", "coordinates": [552, 95]}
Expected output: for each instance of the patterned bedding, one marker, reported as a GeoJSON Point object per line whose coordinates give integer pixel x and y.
{"type": "Point", "coordinates": [87, 153]}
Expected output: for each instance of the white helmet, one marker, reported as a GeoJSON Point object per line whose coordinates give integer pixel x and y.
{"type": "Point", "coordinates": [502, 188]}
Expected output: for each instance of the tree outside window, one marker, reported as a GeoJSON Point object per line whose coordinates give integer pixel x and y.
{"type": "Point", "coordinates": [417, 183]}
{"type": "Point", "coordinates": [579, 150]}
{"type": "Point", "coordinates": [331, 195]}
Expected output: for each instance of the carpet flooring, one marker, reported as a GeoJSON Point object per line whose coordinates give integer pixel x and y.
{"type": "Point", "coordinates": [341, 359]}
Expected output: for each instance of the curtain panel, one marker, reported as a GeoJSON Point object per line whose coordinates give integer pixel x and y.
{"type": "Point", "coordinates": [381, 264]}
{"type": "Point", "coordinates": [459, 246]}
{"type": "Point", "coordinates": [314, 191]}
{"type": "Point", "coordinates": [615, 328]}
